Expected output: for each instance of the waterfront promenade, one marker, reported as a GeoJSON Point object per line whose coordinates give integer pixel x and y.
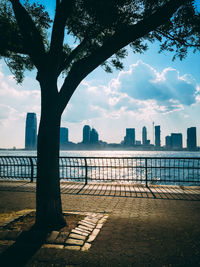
{"type": "Point", "coordinates": [156, 226]}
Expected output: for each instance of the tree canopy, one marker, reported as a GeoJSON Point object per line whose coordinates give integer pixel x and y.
{"type": "Point", "coordinates": [96, 32]}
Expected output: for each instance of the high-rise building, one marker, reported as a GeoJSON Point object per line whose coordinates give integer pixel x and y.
{"type": "Point", "coordinates": [63, 136]}
{"type": "Point", "coordinates": [129, 139]}
{"type": "Point", "coordinates": [157, 135]}
{"type": "Point", "coordinates": [176, 140]}
{"type": "Point", "coordinates": [94, 136]}
{"type": "Point", "coordinates": [168, 141]}
{"type": "Point", "coordinates": [31, 131]}
{"type": "Point", "coordinates": [86, 134]}
{"type": "Point", "coordinates": [191, 138]}
{"type": "Point", "coordinates": [144, 135]}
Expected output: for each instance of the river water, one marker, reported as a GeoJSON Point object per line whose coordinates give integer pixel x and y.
{"type": "Point", "coordinates": [131, 166]}
{"type": "Point", "coordinates": [98, 153]}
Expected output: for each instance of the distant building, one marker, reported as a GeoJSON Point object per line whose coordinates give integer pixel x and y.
{"type": "Point", "coordinates": [86, 134]}
{"type": "Point", "coordinates": [63, 136]}
{"type": "Point", "coordinates": [176, 141]}
{"type": "Point", "coordinates": [129, 139]}
{"type": "Point", "coordinates": [138, 143]}
{"type": "Point", "coordinates": [31, 131]}
{"type": "Point", "coordinates": [157, 135]}
{"type": "Point", "coordinates": [168, 141]}
{"type": "Point", "coordinates": [144, 135]}
{"type": "Point", "coordinates": [147, 142]}
{"type": "Point", "coordinates": [94, 136]}
{"type": "Point", "coordinates": [191, 138]}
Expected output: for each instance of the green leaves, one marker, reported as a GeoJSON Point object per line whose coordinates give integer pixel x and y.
{"type": "Point", "coordinates": [18, 64]}
{"type": "Point", "coordinates": [12, 45]}
{"type": "Point", "coordinates": [92, 25]}
{"type": "Point", "coordinates": [181, 33]}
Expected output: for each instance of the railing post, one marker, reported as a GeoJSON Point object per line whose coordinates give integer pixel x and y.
{"type": "Point", "coordinates": [86, 171]}
{"type": "Point", "coordinates": [146, 175]}
{"type": "Point", "coordinates": [32, 169]}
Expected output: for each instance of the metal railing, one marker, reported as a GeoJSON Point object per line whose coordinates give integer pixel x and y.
{"type": "Point", "coordinates": [145, 170]}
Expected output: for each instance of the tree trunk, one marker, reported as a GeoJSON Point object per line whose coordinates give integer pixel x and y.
{"type": "Point", "coordinates": [48, 198]}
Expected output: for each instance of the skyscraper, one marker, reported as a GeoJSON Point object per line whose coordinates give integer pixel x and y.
{"type": "Point", "coordinates": [168, 141]}
{"type": "Point", "coordinates": [144, 135]}
{"type": "Point", "coordinates": [129, 139]}
{"type": "Point", "coordinates": [31, 131]}
{"type": "Point", "coordinates": [191, 138]}
{"type": "Point", "coordinates": [63, 136]}
{"type": "Point", "coordinates": [86, 134]}
{"type": "Point", "coordinates": [176, 140]}
{"type": "Point", "coordinates": [157, 135]}
{"type": "Point", "coordinates": [94, 137]}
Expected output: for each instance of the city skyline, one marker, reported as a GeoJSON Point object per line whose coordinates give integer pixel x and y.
{"type": "Point", "coordinates": [151, 88]}
{"type": "Point", "coordinates": [20, 100]}
{"type": "Point", "coordinates": [90, 136]}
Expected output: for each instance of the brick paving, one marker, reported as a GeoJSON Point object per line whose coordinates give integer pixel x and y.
{"type": "Point", "coordinates": [114, 189]}
{"type": "Point", "coordinates": [139, 231]}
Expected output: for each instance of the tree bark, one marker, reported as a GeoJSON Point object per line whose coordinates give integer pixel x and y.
{"type": "Point", "coordinates": [48, 198]}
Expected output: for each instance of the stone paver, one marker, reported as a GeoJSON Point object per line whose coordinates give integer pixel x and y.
{"type": "Point", "coordinates": [91, 238]}
{"type": "Point", "coordinates": [99, 225]}
{"type": "Point", "coordinates": [86, 247]}
{"type": "Point", "coordinates": [90, 223]}
{"type": "Point", "coordinates": [71, 241]}
{"type": "Point", "coordinates": [85, 228]}
{"type": "Point", "coordinates": [52, 236]}
{"type": "Point", "coordinates": [61, 237]}
{"type": "Point", "coordinates": [73, 247]}
{"type": "Point", "coordinates": [76, 236]}
{"type": "Point", "coordinates": [96, 231]}
{"type": "Point", "coordinates": [88, 226]}
{"type": "Point", "coordinates": [79, 232]}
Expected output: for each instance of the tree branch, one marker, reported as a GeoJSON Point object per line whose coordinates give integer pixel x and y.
{"type": "Point", "coordinates": [63, 10]}
{"type": "Point", "coordinates": [176, 39]}
{"type": "Point", "coordinates": [33, 41]}
{"type": "Point", "coordinates": [120, 39]}
{"type": "Point", "coordinates": [73, 54]}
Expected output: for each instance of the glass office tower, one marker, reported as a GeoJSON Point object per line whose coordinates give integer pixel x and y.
{"type": "Point", "coordinates": [31, 132]}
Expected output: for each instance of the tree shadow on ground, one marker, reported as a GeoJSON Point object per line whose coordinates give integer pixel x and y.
{"type": "Point", "coordinates": [26, 245]}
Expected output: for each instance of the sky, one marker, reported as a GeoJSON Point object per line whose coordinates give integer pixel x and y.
{"type": "Point", "coordinates": [150, 89]}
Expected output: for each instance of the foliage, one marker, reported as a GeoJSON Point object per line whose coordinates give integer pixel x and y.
{"type": "Point", "coordinates": [181, 33]}
{"type": "Point", "coordinates": [12, 46]}
{"type": "Point", "coordinates": [90, 25]}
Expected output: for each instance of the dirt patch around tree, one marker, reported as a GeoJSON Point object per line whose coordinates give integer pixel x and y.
{"type": "Point", "coordinates": [25, 223]}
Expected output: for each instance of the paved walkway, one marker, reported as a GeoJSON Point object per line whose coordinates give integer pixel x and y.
{"type": "Point", "coordinates": [140, 231]}
{"type": "Point", "coordinates": [112, 189]}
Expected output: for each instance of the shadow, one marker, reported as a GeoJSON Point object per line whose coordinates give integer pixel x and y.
{"type": "Point", "coordinates": [26, 245]}
{"type": "Point", "coordinates": [81, 189]}
{"type": "Point", "coordinates": [138, 191]}
{"type": "Point", "coordinates": [17, 186]}
{"type": "Point", "coordinates": [152, 191]}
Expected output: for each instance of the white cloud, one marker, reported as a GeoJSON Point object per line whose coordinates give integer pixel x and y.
{"type": "Point", "coordinates": [134, 98]}
{"type": "Point", "coordinates": [142, 82]}
{"type": "Point", "coordinates": [139, 92]}
{"type": "Point", "coordinates": [15, 102]}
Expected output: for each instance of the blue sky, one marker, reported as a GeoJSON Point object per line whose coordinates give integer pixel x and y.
{"type": "Point", "coordinates": [151, 88]}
